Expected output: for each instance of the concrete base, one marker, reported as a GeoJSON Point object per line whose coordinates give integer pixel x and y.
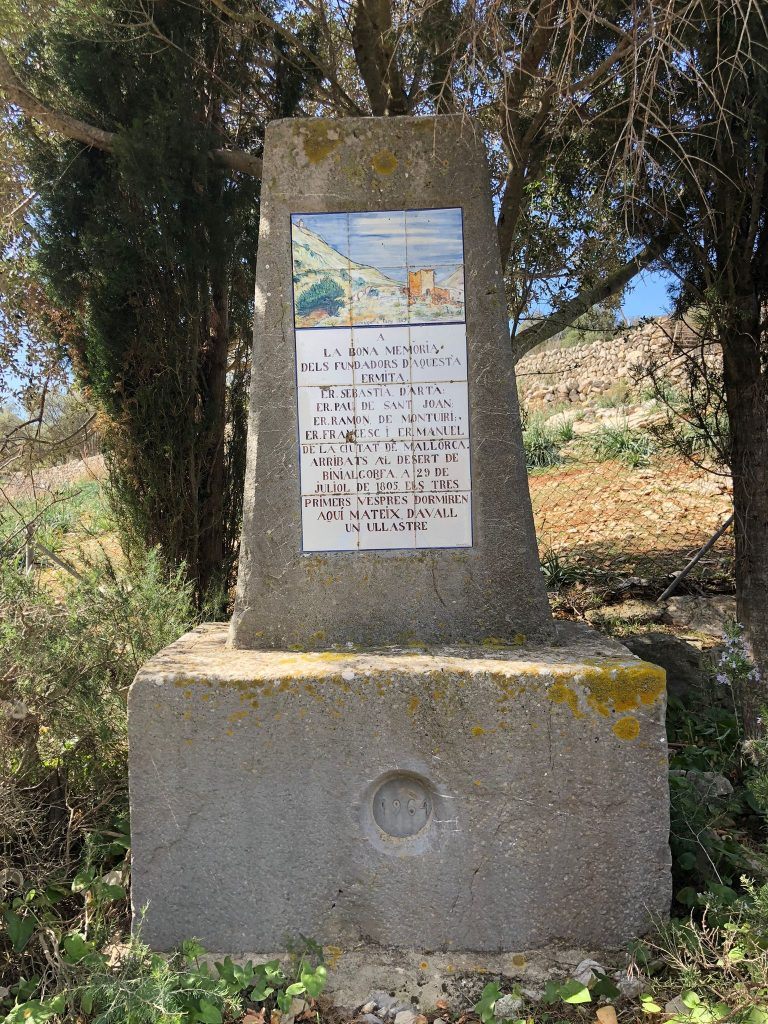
{"type": "Point", "coordinates": [477, 798]}
{"type": "Point", "coordinates": [415, 980]}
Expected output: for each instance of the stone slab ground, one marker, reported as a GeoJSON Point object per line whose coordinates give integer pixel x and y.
{"type": "Point", "coordinates": [478, 798]}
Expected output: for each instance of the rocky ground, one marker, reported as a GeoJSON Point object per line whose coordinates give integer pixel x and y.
{"type": "Point", "coordinates": [637, 507]}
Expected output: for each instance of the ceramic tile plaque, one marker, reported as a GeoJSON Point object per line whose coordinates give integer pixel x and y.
{"type": "Point", "coordinates": [381, 364]}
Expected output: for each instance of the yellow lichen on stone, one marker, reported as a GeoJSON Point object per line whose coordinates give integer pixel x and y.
{"type": "Point", "coordinates": [562, 694]}
{"type": "Point", "coordinates": [384, 162]}
{"type": "Point", "coordinates": [617, 686]}
{"type": "Point", "coordinates": [478, 730]}
{"type": "Point", "coordinates": [413, 705]}
{"type": "Point", "coordinates": [610, 687]}
{"type": "Point", "coordinates": [519, 960]}
{"type": "Point", "coordinates": [319, 142]}
{"type": "Point", "coordinates": [627, 728]}
{"type": "Point", "coordinates": [494, 641]}
{"type": "Point", "coordinates": [332, 955]}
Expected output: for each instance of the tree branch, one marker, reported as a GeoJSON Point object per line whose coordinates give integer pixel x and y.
{"type": "Point", "coordinates": [237, 160]}
{"type": "Point", "coordinates": [588, 297]}
{"type": "Point", "coordinates": [17, 94]}
{"type": "Point", "coordinates": [70, 127]}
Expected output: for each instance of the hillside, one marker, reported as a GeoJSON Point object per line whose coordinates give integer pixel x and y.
{"type": "Point", "coordinates": [312, 255]}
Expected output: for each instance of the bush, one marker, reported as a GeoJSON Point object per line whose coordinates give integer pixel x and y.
{"type": "Point", "coordinates": [543, 443]}
{"type": "Point", "coordinates": [632, 447]}
{"type": "Point", "coordinates": [322, 295]}
{"type": "Point", "coordinates": [560, 573]}
{"type": "Point", "coordinates": [69, 655]}
{"type": "Point", "coordinates": [716, 784]}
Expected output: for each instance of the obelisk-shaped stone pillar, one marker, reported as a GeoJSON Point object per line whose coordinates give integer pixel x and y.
{"type": "Point", "coordinates": [386, 496]}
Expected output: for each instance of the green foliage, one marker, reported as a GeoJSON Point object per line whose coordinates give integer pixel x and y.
{"type": "Point", "coordinates": [80, 508]}
{"type": "Point", "coordinates": [600, 323]}
{"type": "Point", "coordinates": [151, 251]}
{"type": "Point", "coordinates": [717, 820]}
{"type": "Point", "coordinates": [716, 968]}
{"type": "Point", "coordinates": [559, 572]}
{"type": "Point", "coordinates": [696, 426]}
{"type": "Point", "coordinates": [614, 397]}
{"type": "Point", "coordinates": [70, 651]}
{"type": "Point", "coordinates": [632, 447]}
{"type": "Point", "coordinates": [75, 651]}
{"type": "Point", "coordinates": [543, 443]}
{"type": "Point", "coordinates": [487, 1002]}
{"type": "Point", "coordinates": [146, 988]}
{"type": "Point", "coordinates": [322, 295]}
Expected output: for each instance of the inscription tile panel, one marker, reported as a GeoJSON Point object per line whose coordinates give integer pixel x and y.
{"type": "Point", "coordinates": [383, 416]}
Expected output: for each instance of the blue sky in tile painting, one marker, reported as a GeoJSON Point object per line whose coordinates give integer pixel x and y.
{"type": "Point", "coordinates": [434, 237]}
{"type": "Point", "coordinates": [332, 227]}
{"type": "Point", "coordinates": [378, 239]}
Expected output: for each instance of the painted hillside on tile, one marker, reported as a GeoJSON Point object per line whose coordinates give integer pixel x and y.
{"type": "Point", "coordinates": [363, 269]}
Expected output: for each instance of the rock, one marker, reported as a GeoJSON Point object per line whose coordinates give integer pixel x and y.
{"type": "Point", "coordinates": [113, 877]}
{"type": "Point", "coordinates": [530, 908]}
{"type": "Point", "coordinates": [406, 1017]}
{"type": "Point", "coordinates": [681, 660]}
{"type": "Point", "coordinates": [386, 1004]}
{"type": "Point", "coordinates": [676, 1005]}
{"type": "Point", "coordinates": [533, 994]}
{"type": "Point", "coordinates": [709, 784]}
{"type": "Point", "coordinates": [439, 598]}
{"type": "Point", "coordinates": [585, 972]}
{"type": "Point", "coordinates": [508, 1006]}
{"type": "Point", "coordinates": [630, 985]}
{"type": "Point", "coordinates": [701, 614]}
{"type": "Point", "coordinates": [371, 1018]}
{"type": "Point", "coordinates": [634, 611]}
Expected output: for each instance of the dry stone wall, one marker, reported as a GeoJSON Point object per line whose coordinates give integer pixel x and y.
{"type": "Point", "coordinates": [582, 373]}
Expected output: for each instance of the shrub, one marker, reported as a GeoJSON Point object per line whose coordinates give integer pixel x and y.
{"type": "Point", "coordinates": [69, 655]}
{"type": "Point", "coordinates": [558, 572]}
{"type": "Point", "coordinates": [322, 295]}
{"type": "Point", "coordinates": [542, 444]}
{"type": "Point", "coordinates": [632, 447]}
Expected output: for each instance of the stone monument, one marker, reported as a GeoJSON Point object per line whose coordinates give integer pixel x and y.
{"type": "Point", "coordinates": [393, 744]}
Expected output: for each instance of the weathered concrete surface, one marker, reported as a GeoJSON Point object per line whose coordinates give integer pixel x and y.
{"type": "Point", "coordinates": [415, 980]}
{"type": "Point", "coordinates": [494, 588]}
{"type": "Point", "coordinates": [538, 773]}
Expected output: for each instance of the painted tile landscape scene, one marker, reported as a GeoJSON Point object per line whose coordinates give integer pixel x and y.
{"type": "Point", "coordinates": [393, 267]}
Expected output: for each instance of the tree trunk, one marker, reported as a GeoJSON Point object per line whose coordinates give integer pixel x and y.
{"type": "Point", "coordinates": [212, 569]}
{"type": "Point", "coordinates": [746, 390]}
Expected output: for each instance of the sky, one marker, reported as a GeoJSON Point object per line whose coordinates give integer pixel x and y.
{"type": "Point", "coordinates": [647, 295]}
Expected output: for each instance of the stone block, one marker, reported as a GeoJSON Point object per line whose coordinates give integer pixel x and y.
{"type": "Point", "coordinates": [301, 581]}
{"type": "Point", "coordinates": [470, 797]}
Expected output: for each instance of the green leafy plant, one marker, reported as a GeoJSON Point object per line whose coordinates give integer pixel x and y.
{"type": "Point", "coordinates": [632, 447]}
{"type": "Point", "coordinates": [560, 572]}
{"type": "Point", "coordinates": [323, 295]}
{"type": "Point", "coordinates": [69, 653]}
{"type": "Point", "coordinates": [487, 1002]}
{"type": "Point", "coordinates": [543, 443]}
{"type": "Point", "coordinates": [712, 969]}
{"type": "Point", "coordinates": [146, 988]}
